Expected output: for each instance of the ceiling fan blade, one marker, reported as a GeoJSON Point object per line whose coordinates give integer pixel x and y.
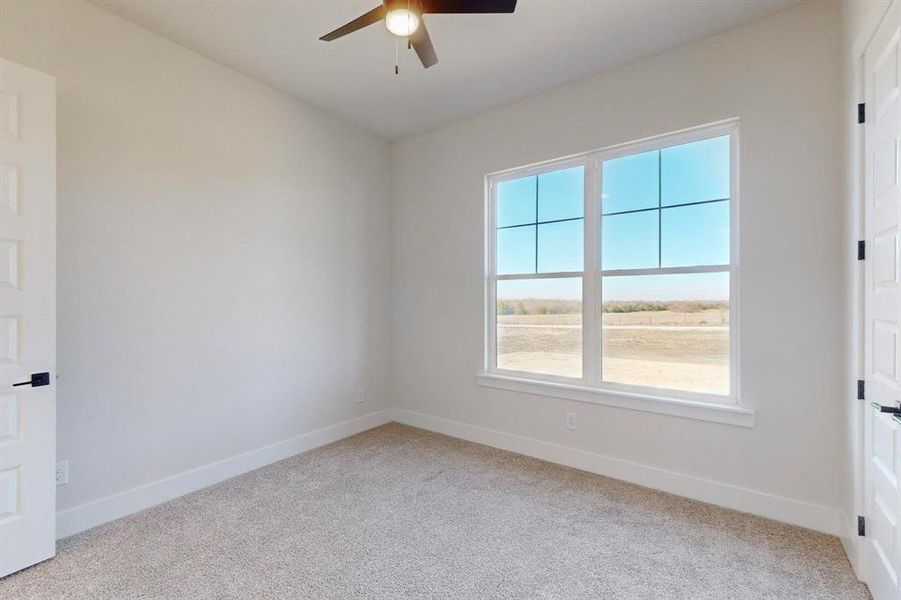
{"type": "Point", "coordinates": [422, 43]}
{"type": "Point", "coordinates": [373, 16]}
{"type": "Point", "coordinates": [467, 6]}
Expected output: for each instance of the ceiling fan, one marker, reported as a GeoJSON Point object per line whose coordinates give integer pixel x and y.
{"type": "Point", "coordinates": [404, 18]}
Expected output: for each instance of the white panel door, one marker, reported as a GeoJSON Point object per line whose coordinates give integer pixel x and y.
{"type": "Point", "coordinates": [882, 306]}
{"type": "Point", "coordinates": [27, 316]}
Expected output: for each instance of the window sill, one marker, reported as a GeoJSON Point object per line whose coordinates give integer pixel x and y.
{"type": "Point", "coordinates": [728, 414]}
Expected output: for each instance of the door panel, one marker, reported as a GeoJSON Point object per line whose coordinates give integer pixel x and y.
{"type": "Point", "coordinates": [883, 542]}
{"type": "Point", "coordinates": [885, 258]}
{"type": "Point", "coordinates": [27, 315]}
{"type": "Point", "coordinates": [9, 419]}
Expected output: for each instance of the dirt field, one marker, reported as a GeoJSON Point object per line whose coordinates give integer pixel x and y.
{"type": "Point", "coordinates": [687, 351]}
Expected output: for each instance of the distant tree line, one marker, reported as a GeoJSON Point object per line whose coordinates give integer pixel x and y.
{"type": "Point", "coordinates": [683, 306]}
{"type": "Point", "coordinates": [537, 306]}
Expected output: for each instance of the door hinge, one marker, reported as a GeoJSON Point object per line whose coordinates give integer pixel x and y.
{"type": "Point", "coordinates": [861, 526]}
{"type": "Point", "coordinates": [861, 250]}
{"type": "Point", "coordinates": [860, 389]}
{"type": "Point", "coordinates": [861, 112]}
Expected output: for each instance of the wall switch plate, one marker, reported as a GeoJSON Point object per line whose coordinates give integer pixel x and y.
{"type": "Point", "coordinates": [570, 420]}
{"type": "Point", "coordinates": [359, 397]}
{"type": "Point", "coordinates": [62, 472]}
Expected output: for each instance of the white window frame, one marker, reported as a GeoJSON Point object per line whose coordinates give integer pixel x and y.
{"type": "Point", "coordinates": [589, 387]}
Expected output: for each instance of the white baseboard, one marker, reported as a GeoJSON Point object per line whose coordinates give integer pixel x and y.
{"type": "Point", "coordinates": [97, 512]}
{"type": "Point", "coordinates": [787, 510]}
{"type": "Point", "coordinates": [795, 512]}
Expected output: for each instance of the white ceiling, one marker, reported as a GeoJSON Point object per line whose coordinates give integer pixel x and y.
{"type": "Point", "coordinates": [485, 60]}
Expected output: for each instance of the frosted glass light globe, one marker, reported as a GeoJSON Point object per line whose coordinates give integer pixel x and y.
{"type": "Point", "coordinates": [401, 22]}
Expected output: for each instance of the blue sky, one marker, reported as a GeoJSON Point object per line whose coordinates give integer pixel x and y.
{"type": "Point", "coordinates": [644, 225]}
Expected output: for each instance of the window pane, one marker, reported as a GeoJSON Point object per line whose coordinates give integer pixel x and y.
{"type": "Point", "coordinates": [560, 246]}
{"type": "Point", "coordinates": [695, 172]}
{"type": "Point", "coordinates": [561, 194]}
{"type": "Point", "coordinates": [516, 250]}
{"type": "Point", "coordinates": [631, 182]}
{"type": "Point", "coordinates": [516, 202]}
{"type": "Point", "coordinates": [630, 241]}
{"type": "Point", "coordinates": [539, 326]}
{"type": "Point", "coordinates": [696, 235]}
{"type": "Point", "coordinates": [667, 331]}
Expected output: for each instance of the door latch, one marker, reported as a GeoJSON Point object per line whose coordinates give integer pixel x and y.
{"type": "Point", "coordinates": [37, 380]}
{"type": "Point", "coordinates": [886, 409]}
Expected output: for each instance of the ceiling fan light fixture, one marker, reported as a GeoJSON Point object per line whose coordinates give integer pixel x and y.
{"type": "Point", "coordinates": [404, 18]}
{"type": "Point", "coordinates": [402, 22]}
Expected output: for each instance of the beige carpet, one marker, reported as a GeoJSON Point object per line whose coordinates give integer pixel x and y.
{"type": "Point", "coordinates": [399, 512]}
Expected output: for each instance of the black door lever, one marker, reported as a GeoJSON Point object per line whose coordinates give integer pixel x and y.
{"type": "Point", "coordinates": [886, 409]}
{"type": "Point", "coordinates": [37, 380]}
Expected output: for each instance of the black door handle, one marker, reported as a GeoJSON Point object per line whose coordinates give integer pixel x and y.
{"type": "Point", "coordinates": [37, 380]}
{"type": "Point", "coordinates": [886, 409]}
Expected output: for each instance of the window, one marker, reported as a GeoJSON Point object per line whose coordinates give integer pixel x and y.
{"type": "Point", "coordinates": [540, 252]}
{"type": "Point", "coordinates": [615, 271]}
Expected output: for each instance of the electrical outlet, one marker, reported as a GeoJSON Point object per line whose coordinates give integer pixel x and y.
{"type": "Point", "coordinates": [570, 422]}
{"type": "Point", "coordinates": [62, 472]}
{"type": "Point", "coordinates": [360, 397]}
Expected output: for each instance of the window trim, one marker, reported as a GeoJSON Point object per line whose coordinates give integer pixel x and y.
{"type": "Point", "coordinates": [589, 387]}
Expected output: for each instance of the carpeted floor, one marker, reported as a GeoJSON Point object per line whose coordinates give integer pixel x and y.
{"type": "Point", "coordinates": [400, 512]}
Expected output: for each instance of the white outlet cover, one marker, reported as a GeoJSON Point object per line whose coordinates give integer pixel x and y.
{"type": "Point", "coordinates": [570, 420]}
{"type": "Point", "coordinates": [62, 472]}
{"type": "Point", "coordinates": [359, 397]}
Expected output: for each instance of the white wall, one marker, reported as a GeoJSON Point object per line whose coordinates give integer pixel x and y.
{"type": "Point", "coordinates": [224, 254]}
{"type": "Point", "coordinates": [782, 77]}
